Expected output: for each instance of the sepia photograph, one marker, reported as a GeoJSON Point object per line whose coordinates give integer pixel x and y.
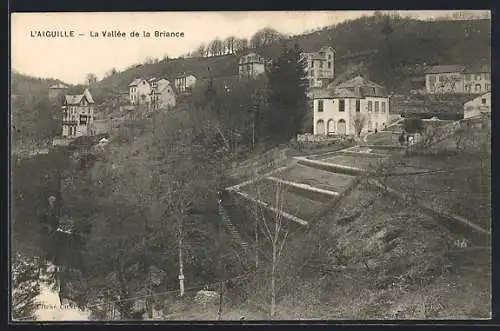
{"type": "Point", "coordinates": [250, 166]}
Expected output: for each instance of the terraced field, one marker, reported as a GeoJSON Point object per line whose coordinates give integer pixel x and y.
{"type": "Point", "coordinates": [321, 179]}
{"type": "Point", "coordinates": [361, 162]}
{"type": "Point", "coordinates": [296, 204]}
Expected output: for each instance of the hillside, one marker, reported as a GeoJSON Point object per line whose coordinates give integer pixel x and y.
{"type": "Point", "coordinates": [34, 116]}
{"type": "Point", "coordinates": [220, 66]}
{"type": "Point", "coordinates": [27, 85]}
{"type": "Point", "coordinates": [411, 42]}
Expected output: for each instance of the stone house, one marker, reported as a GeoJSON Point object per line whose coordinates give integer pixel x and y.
{"type": "Point", "coordinates": [355, 105]}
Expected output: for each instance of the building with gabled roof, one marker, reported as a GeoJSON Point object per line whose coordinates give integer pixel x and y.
{"type": "Point", "coordinates": [352, 107]}
{"type": "Point", "coordinates": [454, 79]}
{"type": "Point", "coordinates": [320, 66]}
{"type": "Point", "coordinates": [139, 91]}
{"type": "Point", "coordinates": [477, 106]}
{"type": "Point", "coordinates": [162, 94]}
{"type": "Point", "coordinates": [57, 90]}
{"type": "Point", "coordinates": [78, 115]}
{"type": "Point", "coordinates": [251, 65]}
{"type": "Point", "coordinates": [184, 82]}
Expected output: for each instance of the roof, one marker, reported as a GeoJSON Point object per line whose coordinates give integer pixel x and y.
{"type": "Point", "coordinates": [478, 68]}
{"type": "Point", "coordinates": [485, 95]}
{"type": "Point", "coordinates": [357, 87]}
{"type": "Point", "coordinates": [345, 93]}
{"type": "Point", "coordinates": [59, 86]}
{"type": "Point", "coordinates": [256, 58]}
{"type": "Point", "coordinates": [185, 74]}
{"type": "Point", "coordinates": [135, 82]}
{"type": "Point", "coordinates": [76, 99]}
{"type": "Point", "coordinates": [164, 87]}
{"type": "Point", "coordinates": [358, 81]}
{"type": "Point", "coordinates": [442, 69]}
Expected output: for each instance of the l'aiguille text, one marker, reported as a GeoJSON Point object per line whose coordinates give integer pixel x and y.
{"type": "Point", "coordinates": [52, 34]}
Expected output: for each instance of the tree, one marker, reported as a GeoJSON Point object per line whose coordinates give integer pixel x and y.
{"type": "Point", "coordinates": [216, 47]}
{"type": "Point", "coordinates": [359, 122]}
{"type": "Point", "coordinates": [90, 79]}
{"type": "Point", "coordinates": [287, 89]}
{"type": "Point", "coordinates": [25, 289]}
{"type": "Point", "coordinates": [229, 44]}
{"type": "Point", "coordinates": [201, 50]}
{"type": "Point", "coordinates": [264, 37]}
{"type": "Point", "coordinates": [271, 223]}
{"type": "Point", "coordinates": [241, 46]}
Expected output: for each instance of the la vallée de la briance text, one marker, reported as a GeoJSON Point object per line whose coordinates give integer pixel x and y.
{"type": "Point", "coordinates": [104, 34]}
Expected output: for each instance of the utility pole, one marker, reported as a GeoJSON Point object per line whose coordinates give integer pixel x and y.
{"type": "Point", "coordinates": [221, 265]}
{"type": "Point", "coordinates": [181, 272]}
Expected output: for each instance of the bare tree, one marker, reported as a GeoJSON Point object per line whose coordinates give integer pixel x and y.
{"type": "Point", "coordinates": [229, 44]}
{"type": "Point", "coordinates": [359, 122]}
{"type": "Point", "coordinates": [241, 46]}
{"type": "Point", "coordinates": [272, 225]}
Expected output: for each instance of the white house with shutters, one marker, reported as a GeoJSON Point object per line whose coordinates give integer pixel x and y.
{"type": "Point", "coordinates": [355, 106]}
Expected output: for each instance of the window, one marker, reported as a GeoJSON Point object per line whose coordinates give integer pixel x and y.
{"type": "Point", "coordinates": [478, 77]}
{"type": "Point", "coordinates": [467, 88]}
{"type": "Point", "coordinates": [370, 106]}
{"type": "Point", "coordinates": [358, 106]}
{"type": "Point", "coordinates": [329, 65]}
{"type": "Point", "coordinates": [321, 64]}
{"type": "Point", "coordinates": [83, 119]}
{"type": "Point", "coordinates": [467, 77]}
{"type": "Point", "coordinates": [376, 106]}
{"type": "Point", "coordinates": [341, 105]}
{"type": "Point", "coordinates": [487, 76]}
{"type": "Point", "coordinates": [441, 79]}
{"type": "Point", "coordinates": [383, 107]}
{"type": "Point", "coordinates": [483, 101]}
{"type": "Point", "coordinates": [478, 88]}
{"type": "Point", "coordinates": [320, 106]}
{"type": "Point", "coordinates": [487, 87]}
{"type": "Point", "coordinates": [329, 56]}
{"type": "Point", "coordinates": [312, 72]}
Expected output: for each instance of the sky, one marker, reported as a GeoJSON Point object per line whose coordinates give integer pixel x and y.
{"type": "Point", "coordinates": [70, 59]}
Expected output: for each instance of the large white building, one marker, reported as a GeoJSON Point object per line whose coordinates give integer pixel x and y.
{"type": "Point", "coordinates": [355, 105]}
{"type": "Point", "coordinates": [78, 115]}
{"type": "Point", "coordinates": [251, 66]}
{"type": "Point", "coordinates": [478, 106]}
{"type": "Point", "coordinates": [320, 68]}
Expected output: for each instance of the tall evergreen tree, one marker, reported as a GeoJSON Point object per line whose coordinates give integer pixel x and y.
{"type": "Point", "coordinates": [287, 93]}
